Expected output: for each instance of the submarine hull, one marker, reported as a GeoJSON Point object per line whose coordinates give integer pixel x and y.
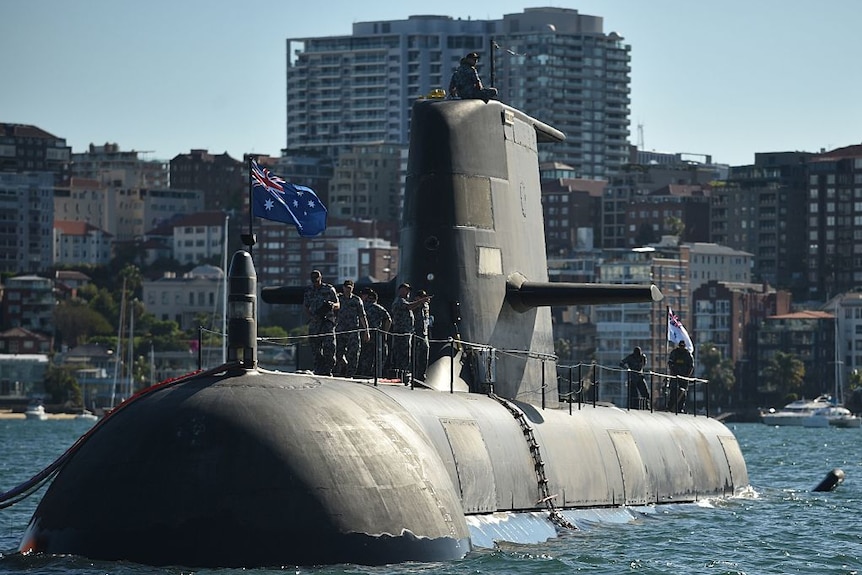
{"type": "Point", "coordinates": [263, 469]}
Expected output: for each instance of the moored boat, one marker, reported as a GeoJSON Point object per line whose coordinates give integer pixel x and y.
{"type": "Point", "coordinates": [795, 412]}
{"type": "Point", "coordinates": [832, 416]}
{"type": "Point", "coordinates": [36, 412]}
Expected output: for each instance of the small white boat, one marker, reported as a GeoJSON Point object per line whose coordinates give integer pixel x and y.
{"type": "Point", "coordinates": [832, 416]}
{"type": "Point", "coordinates": [86, 415]}
{"type": "Point", "coordinates": [36, 412]}
{"type": "Point", "coordinates": [796, 412]}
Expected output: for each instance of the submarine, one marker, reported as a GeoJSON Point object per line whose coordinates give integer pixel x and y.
{"type": "Point", "coordinates": [238, 466]}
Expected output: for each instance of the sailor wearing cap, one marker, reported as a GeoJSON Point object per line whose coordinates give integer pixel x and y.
{"type": "Point", "coordinates": [402, 326]}
{"type": "Point", "coordinates": [465, 82]}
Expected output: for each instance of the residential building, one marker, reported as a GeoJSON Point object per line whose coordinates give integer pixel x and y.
{"type": "Point", "coordinates": [81, 243]}
{"type": "Point", "coordinates": [222, 179]}
{"type": "Point", "coordinates": [761, 210]}
{"type": "Point", "coordinates": [200, 237]}
{"type": "Point", "coordinates": [834, 212]}
{"type": "Point", "coordinates": [353, 90]}
{"type": "Point", "coordinates": [86, 200]}
{"type": "Point", "coordinates": [139, 210]}
{"type": "Point", "coordinates": [672, 209]}
{"type": "Point", "coordinates": [366, 183]}
{"type": "Point", "coordinates": [195, 299]}
{"type": "Point", "coordinates": [26, 148]}
{"type": "Point", "coordinates": [115, 168]}
{"type": "Point", "coordinates": [727, 315]}
{"type": "Point", "coordinates": [561, 67]}
{"type": "Point", "coordinates": [22, 376]}
{"type": "Point", "coordinates": [847, 308]}
{"type": "Point", "coordinates": [21, 340]}
{"type": "Point", "coordinates": [808, 336]}
{"type": "Point", "coordinates": [635, 182]}
{"type": "Point", "coordinates": [26, 222]}
{"type": "Point", "coordinates": [28, 302]}
{"type": "Point", "coordinates": [716, 262]}
{"type": "Point", "coordinates": [571, 207]}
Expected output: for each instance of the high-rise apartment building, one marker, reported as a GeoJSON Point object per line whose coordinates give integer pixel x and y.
{"type": "Point", "coordinates": [562, 68]}
{"type": "Point", "coordinates": [26, 222]}
{"type": "Point", "coordinates": [25, 148]}
{"type": "Point", "coordinates": [834, 224]}
{"type": "Point", "coordinates": [761, 209]}
{"type": "Point", "coordinates": [552, 63]}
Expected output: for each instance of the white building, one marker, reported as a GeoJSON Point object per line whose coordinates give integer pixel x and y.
{"type": "Point", "coordinates": [194, 300]}
{"type": "Point", "coordinates": [708, 261]}
{"type": "Point", "coordinates": [81, 243]}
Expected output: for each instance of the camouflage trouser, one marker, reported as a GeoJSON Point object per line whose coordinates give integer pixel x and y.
{"type": "Point", "coordinates": [401, 351]}
{"type": "Point", "coordinates": [322, 340]}
{"type": "Point", "coordinates": [420, 349]}
{"type": "Point", "coordinates": [369, 350]}
{"type": "Point", "coordinates": [347, 352]}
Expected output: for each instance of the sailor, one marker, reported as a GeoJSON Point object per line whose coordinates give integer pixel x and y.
{"type": "Point", "coordinates": [321, 302]}
{"type": "Point", "coordinates": [681, 363]}
{"type": "Point", "coordinates": [635, 362]}
{"type": "Point", "coordinates": [350, 328]}
{"type": "Point", "coordinates": [402, 327]}
{"type": "Point", "coordinates": [421, 323]}
{"type": "Point", "coordinates": [379, 321]}
{"type": "Point", "coordinates": [465, 82]}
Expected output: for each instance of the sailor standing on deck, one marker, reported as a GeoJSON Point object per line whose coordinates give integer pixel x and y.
{"type": "Point", "coordinates": [402, 327]}
{"type": "Point", "coordinates": [379, 321]}
{"type": "Point", "coordinates": [635, 362]}
{"type": "Point", "coordinates": [351, 327]}
{"type": "Point", "coordinates": [680, 362]}
{"type": "Point", "coordinates": [320, 303]}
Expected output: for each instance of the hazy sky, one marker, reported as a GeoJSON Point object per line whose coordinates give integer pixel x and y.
{"type": "Point", "coordinates": [727, 78]}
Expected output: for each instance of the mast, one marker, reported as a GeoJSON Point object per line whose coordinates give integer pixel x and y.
{"type": "Point", "coordinates": [118, 355]}
{"type": "Point", "coordinates": [131, 364]}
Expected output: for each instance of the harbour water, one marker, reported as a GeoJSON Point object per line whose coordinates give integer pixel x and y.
{"type": "Point", "coordinates": [780, 527]}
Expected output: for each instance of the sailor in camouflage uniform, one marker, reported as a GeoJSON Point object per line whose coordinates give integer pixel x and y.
{"type": "Point", "coordinates": [321, 302]}
{"type": "Point", "coordinates": [421, 323]}
{"type": "Point", "coordinates": [379, 321]}
{"type": "Point", "coordinates": [402, 327]}
{"type": "Point", "coordinates": [350, 327]}
{"type": "Point", "coordinates": [465, 82]}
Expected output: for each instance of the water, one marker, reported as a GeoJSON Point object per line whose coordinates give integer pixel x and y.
{"type": "Point", "coordinates": [780, 528]}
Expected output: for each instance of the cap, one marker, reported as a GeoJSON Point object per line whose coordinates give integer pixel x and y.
{"type": "Point", "coordinates": [473, 55]}
{"type": "Point", "coordinates": [681, 343]}
{"type": "Point", "coordinates": [348, 282]}
{"type": "Point", "coordinates": [404, 285]}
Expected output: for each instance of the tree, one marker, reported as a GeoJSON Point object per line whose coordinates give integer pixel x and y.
{"type": "Point", "coordinates": [62, 386]}
{"type": "Point", "coordinates": [784, 375]}
{"type": "Point", "coordinates": [718, 371]}
{"type": "Point", "coordinates": [674, 226]}
{"type": "Point", "coordinates": [76, 322]}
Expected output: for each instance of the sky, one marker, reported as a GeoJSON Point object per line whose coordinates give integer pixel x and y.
{"type": "Point", "coordinates": [727, 78]}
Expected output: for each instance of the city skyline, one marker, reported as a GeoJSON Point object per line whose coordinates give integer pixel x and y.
{"type": "Point", "coordinates": [162, 78]}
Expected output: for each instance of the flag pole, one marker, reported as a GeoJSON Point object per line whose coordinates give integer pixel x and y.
{"type": "Point", "coordinates": [249, 239]}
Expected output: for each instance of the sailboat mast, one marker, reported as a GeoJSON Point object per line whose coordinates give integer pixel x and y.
{"type": "Point", "coordinates": [131, 365]}
{"type": "Point", "coordinates": [118, 354]}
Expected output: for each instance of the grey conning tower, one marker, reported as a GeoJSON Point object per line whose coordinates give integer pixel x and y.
{"type": "Point", "coordinates": [473, 236]}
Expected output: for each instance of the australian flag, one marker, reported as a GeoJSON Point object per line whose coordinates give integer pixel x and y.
{"type": "Point", "coordinates": [275, 199]}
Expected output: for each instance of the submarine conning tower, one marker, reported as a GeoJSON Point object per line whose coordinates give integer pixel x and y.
{"type": "Point", "coordinates": [473, 237]}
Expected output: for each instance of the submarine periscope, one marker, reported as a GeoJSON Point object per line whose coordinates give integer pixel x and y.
{"type": "Point", "coordinates": [239, 466]}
